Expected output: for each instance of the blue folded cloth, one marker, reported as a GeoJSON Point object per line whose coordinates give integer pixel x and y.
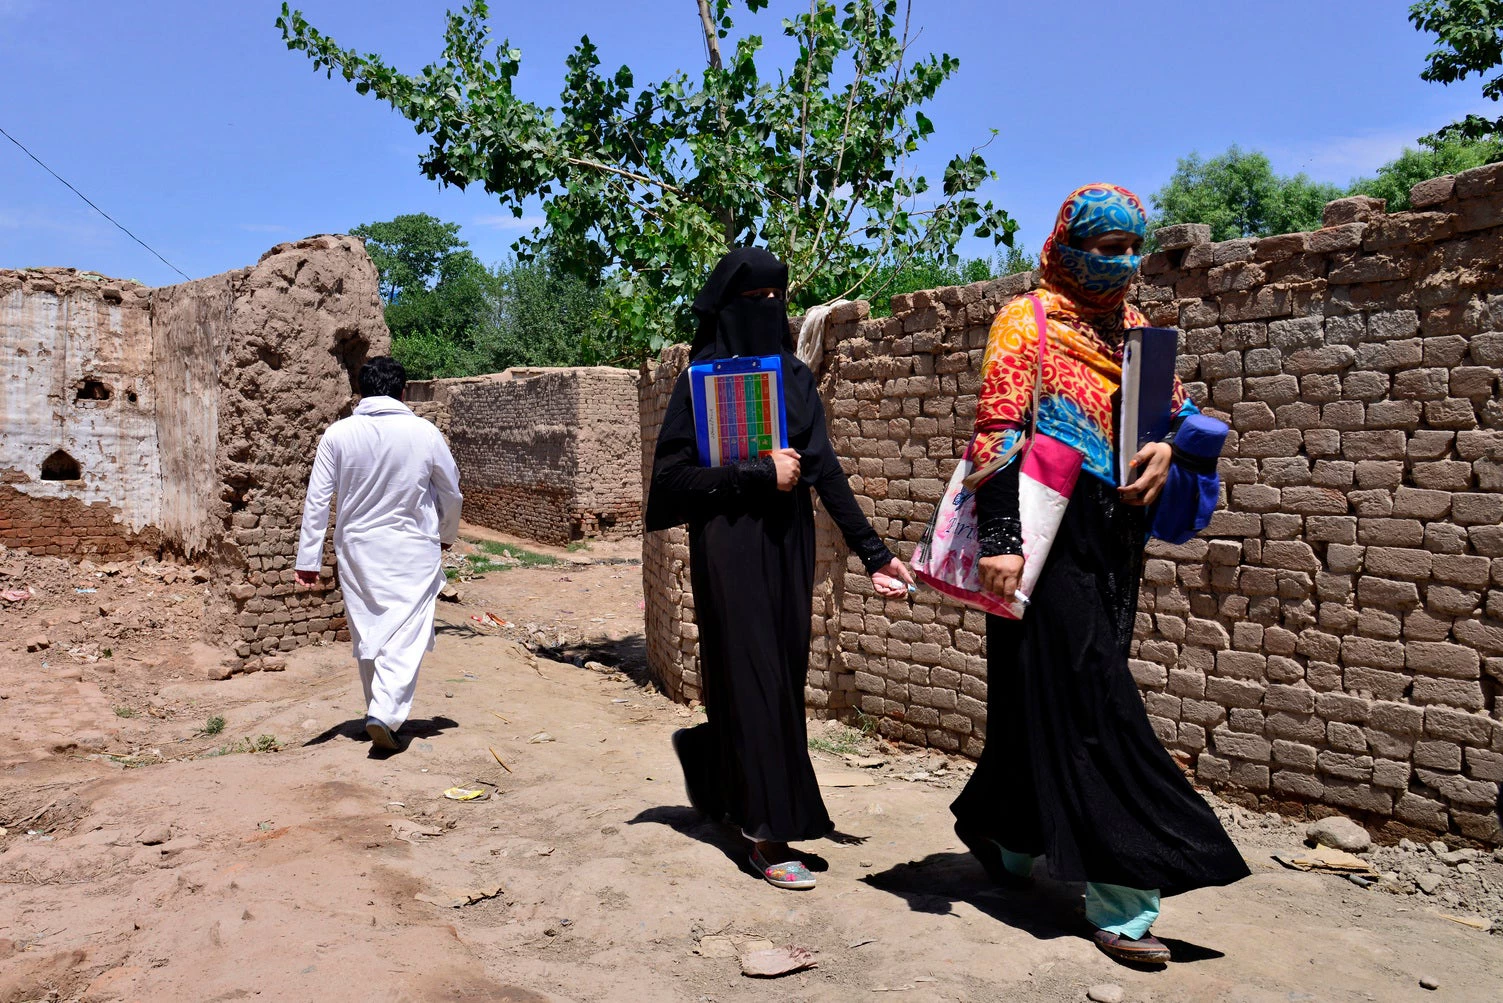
{"type": "Point", "coordinates": [1190, 494]}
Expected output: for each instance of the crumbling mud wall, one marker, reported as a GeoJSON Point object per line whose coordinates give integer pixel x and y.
{"type": "Point", "coordinates": [545, 454]}
{"type": "Point", "coordinates": [183, 420]}
{"type": "Point", "coordinates": [1335, 638]}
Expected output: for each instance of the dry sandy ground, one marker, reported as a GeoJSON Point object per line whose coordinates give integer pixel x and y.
{"type": "Point", "coordinates": [296, 874]}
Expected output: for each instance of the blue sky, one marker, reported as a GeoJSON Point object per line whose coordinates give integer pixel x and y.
{"type": "Point", "coordinates": [193, 125]}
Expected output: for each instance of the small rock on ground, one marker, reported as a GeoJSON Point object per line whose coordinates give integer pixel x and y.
{"type": "Point", "coordinates": [154, 835]}
{"type": "Point", "coordinates": [1429, 982]}
{"type": "Point", "coordinates": [1340, 833]}
{"type": "Point", "coordinates": [1107, 992]}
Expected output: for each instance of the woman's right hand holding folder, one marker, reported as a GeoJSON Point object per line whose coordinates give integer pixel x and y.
{"type": "Point", "coordinates": [786, 463]}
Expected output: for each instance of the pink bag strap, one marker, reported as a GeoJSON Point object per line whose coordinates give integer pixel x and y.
{"type": "Point", "coordinates": [1042, 322]}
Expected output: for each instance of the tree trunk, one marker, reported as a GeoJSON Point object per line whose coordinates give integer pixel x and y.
{"type": "Point", "coordinates": [712, 43]}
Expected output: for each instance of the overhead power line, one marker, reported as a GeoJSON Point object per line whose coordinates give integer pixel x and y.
{"type": "Point", "coordinates": [101, 212]}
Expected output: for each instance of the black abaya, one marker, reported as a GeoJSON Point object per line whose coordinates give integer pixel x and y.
{"type": "Point", "coordinates": [1072, 769]}
{"type": "Point", "coordinates": [751, 562]}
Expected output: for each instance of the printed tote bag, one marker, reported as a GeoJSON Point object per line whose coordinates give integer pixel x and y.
{"type": "Point", "coordinates": [948, 555]}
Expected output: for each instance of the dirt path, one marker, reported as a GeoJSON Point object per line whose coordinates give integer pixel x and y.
{"type": "Point", "coordinates": [296, 874]}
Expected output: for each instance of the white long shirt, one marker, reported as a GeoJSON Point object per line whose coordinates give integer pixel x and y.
{"type": "Point", "coordinates": [399, 499]}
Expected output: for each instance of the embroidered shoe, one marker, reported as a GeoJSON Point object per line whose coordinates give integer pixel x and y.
{"type": "Point", "coordinates": [792, 875]}
{"type": "Point", "coordinates": [1146, 950]}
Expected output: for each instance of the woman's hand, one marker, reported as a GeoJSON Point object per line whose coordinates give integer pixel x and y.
{"type": "Point", "coordinates": [786, 463]}
{"type": "Point", "coordinates": [307, 579]}
{"type": "Point", "coordinates": [1000, 575]}
{"type": "Point", "coordinates": [892, 579]}
{"type": "Point", "coordinates": [1153, 461]}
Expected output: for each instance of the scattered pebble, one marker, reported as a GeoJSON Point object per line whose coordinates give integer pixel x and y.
{"type": "Point", "coordinates": [539, 738]}
{"type": "Point", "coordinates": [1429, 982]}
{"type": "Point", "coordinates": [1340, 833]}
{"type": "Point", "coordinates": [154, 835]}
{"type": "Point", "coordinates": [1107, 992]}
{"type": "Point", "coordinates": [772, 962]}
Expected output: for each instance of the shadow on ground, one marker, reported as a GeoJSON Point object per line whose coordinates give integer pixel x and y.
{"type": "Point", "coordinates": [354, 728]}
{"type": "Point", "coordinates": [627, 656]}
{"type": "Point", "coordinates": [736, 847]}
{"type": "Point", "coordinates": [1045, 909]}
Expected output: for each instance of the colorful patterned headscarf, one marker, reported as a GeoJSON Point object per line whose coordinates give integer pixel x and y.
{"type": "Point", "coordinates": [1084, 297]}
{"type": "Point", "coordinates": [1097, 284]}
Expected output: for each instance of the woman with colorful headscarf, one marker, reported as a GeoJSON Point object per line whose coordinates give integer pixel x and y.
{"type": "Point", "coordinates": [1072, 768]}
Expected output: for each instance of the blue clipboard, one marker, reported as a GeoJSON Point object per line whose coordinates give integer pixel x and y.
{"type": "Point", "coordinates": [739, 408]}
{"type": "Point", "coordinates": [1148, 361]}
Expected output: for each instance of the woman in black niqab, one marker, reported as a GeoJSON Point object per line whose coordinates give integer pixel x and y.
{"type": "Point", "coordinates": [751, 562]}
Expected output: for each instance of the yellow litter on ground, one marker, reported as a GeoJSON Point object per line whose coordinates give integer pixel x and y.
{"type": "Point", "coordinates": [463, 794]}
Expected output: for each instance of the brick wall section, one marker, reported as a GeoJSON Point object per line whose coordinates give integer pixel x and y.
{"type": "Point", "coordinates": [545, 454]}
{"type": "Point", "coordinates": [1335, 639]}
{"type": "Point", "coordinates": [76, 376]}
{"type": "Point", "coordinates": [67, 527]}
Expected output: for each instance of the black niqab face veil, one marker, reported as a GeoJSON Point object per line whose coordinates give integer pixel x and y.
{"type": "Point", "coordinates": [731, 323]}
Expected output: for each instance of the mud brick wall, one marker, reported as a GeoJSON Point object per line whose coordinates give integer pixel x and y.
{"type": "Point", "coordinates": [1334, 640]}
{"type": "Point", "coordinates": [545, 454]}
{"type": "Point", "coordinates": [191, 413]}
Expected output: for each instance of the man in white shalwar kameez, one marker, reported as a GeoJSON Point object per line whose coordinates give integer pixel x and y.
{"type": "Point", "coordinates": [398, 500]}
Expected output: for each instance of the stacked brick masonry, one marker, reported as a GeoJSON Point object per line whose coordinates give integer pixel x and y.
{"type": "Point", "coordinates": [1335, 638]}
{"type": "Point", "coordinates": [543, 453]}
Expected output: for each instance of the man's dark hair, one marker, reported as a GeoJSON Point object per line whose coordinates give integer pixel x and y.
{"type": "Point", "coordinates": [383, 376]}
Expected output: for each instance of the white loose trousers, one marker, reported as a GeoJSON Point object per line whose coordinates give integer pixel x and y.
{"type": "Point", "coordinates": [398, 501]}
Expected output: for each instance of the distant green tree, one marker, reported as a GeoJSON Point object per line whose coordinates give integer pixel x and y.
{"type": "Point", "coordinates": [1239, 195]}
{"type": "Point", "coordinates": [1018, 260]}
{"type": "Point", "coordinates": [893, 277]}
{"type": "Point", "coordinates": [451, 316]}
{"type": "Point", "coordinates": [437, 294]}
{"type": "Point", "coordinates": [1433, 159]}
{"type": "Point", "coordinates": [409, 251]}
{"type": "Point", "coordinates": [541, 316]}
{"type": "Point", "coordinates": [1469, 37]}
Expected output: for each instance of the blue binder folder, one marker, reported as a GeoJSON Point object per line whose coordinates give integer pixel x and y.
{"type": "Point", "coordinates": [1148, 359]}
{"type": "Point", "coordinates": [739, 409]}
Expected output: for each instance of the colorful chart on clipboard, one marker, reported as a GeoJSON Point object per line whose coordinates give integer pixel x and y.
{"type": "Point", "coordinates": [739, 412]}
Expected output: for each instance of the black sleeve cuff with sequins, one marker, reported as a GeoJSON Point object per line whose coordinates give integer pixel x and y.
{"type": "Point", "coordinates": [998, 523]}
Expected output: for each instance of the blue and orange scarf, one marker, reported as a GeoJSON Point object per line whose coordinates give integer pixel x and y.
{"type": "Point", "coordinates": [1085, 300]}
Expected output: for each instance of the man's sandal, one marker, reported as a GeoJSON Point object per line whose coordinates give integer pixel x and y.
{"type": "Point", "coordinates": [793, 875]}
{"type": "Point", "coordinates": [1146, 950]}
{"type": "Point", "coordinates": [381, 736]}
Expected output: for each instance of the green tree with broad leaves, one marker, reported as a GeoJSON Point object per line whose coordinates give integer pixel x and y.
{"type": "Point", "coordinates": [1469, 40]}
{"type": "Point", "coordinates": [1239, 195]}
{"type": "Point", "coordinates": [1432, 159]}
{"type": "Point", "coordinates": [449, 315]}
{"type": "Point", "coordinates": [437, 294]}
{"type": "Point", "coordinates": [644, 187]}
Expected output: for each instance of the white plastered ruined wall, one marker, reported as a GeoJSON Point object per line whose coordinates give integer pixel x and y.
{"type": "Point", "coordinates": [56, 331]}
